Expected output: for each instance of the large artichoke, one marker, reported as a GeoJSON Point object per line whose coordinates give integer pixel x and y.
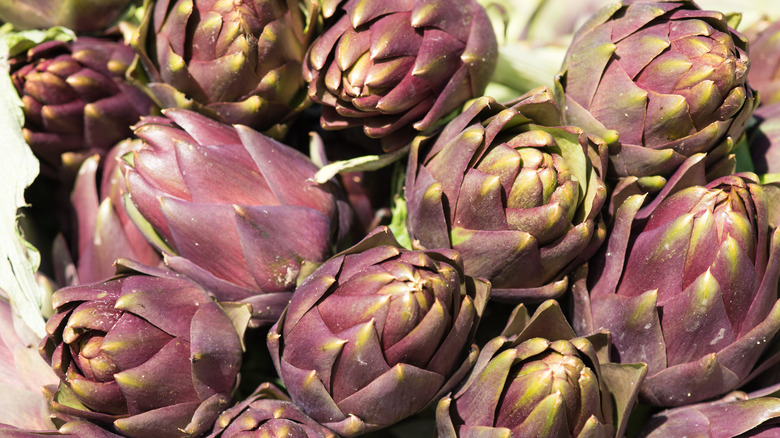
{"type": "Point", "coordinates": [539, 380]}
{"type": "Point", "coordinates": [232, 208]}
{"type": "Point", "coordinates": [377, 333]}
{"type": "Point", "coordinates": [660, 81]}
{"type": "Point", "coordinates": [692, 291]}
{"type": "Point", "coordinates": [236, 61]}
{"type": "Point", "coordinates": [396, 67]}
{"type": "Point", "coordinates": [514, 192]}
{"type": "Point", "coordinates": [76, 97]}
{"type": "Point", "coordinates": [144, 355]}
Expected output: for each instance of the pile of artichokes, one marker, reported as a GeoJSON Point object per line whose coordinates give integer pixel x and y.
{"type": "Point", "coordinates": [324, 218]}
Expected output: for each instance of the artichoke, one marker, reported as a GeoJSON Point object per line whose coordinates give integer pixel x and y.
{"type": "Point", "coordinates": [514, 192]}
{"type": "Point", "coordinates": [539, 380]}
{"type": "Point", "coordinates": [76, 98]}
{"type": "Point", "coordinates": [660, 81]}
{"type": "Point", "coordinates": [377, 333]}
{"type": "Point", "coordinates": [105, 231]}
{"type": "Point", "coordinates": [146, 353]}
{"type": "Point", "coordinates": [235, 61]}
{"type": "Point", "coordinates": [398, 67]}
{"type": "Point", "coordinates": [81, 16]}
{"type": "Point", "coordinates": [692, 291]}
{"type": "Point", "coordinates": [268, 413]}
{"type": "Point", "coordinates": [231, 208]}
{"type": "Point", "coordinates": [765, 139]}
{"type": "Point", "coordinates": [764, 72]}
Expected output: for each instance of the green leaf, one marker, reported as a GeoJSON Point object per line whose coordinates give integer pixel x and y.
{"type": "Point", "coordinates": [20, 41]}
{"type": "Point", "coordinates": [366, 162]}
{"type": "Point", "coordinates": [19, 259]}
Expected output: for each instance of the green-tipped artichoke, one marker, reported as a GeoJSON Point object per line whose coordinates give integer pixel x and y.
{"type": "Point", "coordinates": [268, 413]}
{"type": "Point", "coordinates": [232, 208]}
{"type": "Point", "coordinates": [540, 380]}
{"type": "Point", "coordinates": [517, 194]}
{"type": "Point", "coordinates": [81, 16]}
{"type": "Point", "coordinates": [377, 333]}
{"type": "Point", "coordinates": [692, 291]}
{"type": "Point", "coordinates": [144, 355]}
{"type": "Point", "coordinates": [396, 67]}
{"type": "Point", "coordinates": [660, 81]}
{"type": "Point", "coordinates": [76, 98]}
{"type": "Point", "coordinates": [235, 61]}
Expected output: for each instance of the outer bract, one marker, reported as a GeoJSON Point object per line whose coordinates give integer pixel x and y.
{"type": "Point", "coordinates": [81, 16]}
{"type": "Point", "coordinates": [396, 67]}
{"type": "Point", "coordinates": [105, 231]}
{"type": "Point", "coordinates": [660, 81]}
{"type": "Point", "coordinates": [514, 192]}
{"type": "Point", "coordinates": [692, 291]}
{"type": "Point", "coordinates": [268, 413]}
{"type": "Point", "coordinates": [232, 208]}
{"type": "Point", "coordinates": [146, 355]}
{"type": "Point", "coordinates": [76, 98]}
{"type": "Point", "coordinates": [377, 333]}
{"type": "Point", "coordinates": [539, 380]}
{"type": "Point", "coordinates": [236, 61]}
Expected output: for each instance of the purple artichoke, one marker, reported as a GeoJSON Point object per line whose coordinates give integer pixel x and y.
{"type": "Point", "coordinates": [81, 16]}
{"type": "Point", "coordinates": [268, 412]}
{"type": "Point", "coordinates": [235, 61]}
{"type": "Point", "coordinates": [396, 67]}
{"type": "Point", "coordinates": [540, 380]}
{"type": "Point", "coordinates": [765, 139]}
{"type": "Point", "coordinates": [231, 208]}
{"type": "Point", "coordinates": [76, 98]}
{"type": "Point", "coordinates": [514, 192]}
{"type": "Point", "coordinates": [764, 72]}
{"type": "Point", "coordinates": [692, 291]}
{"type": "Point", "coordinates": [377, 333]}
{"type": "Point", "coordinates": [660, 81]}
{"type": "Point", "coordinates": [146, 355]}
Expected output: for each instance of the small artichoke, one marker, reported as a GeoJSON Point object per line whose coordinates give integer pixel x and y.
{"type": "Point", "coordinates": [76, 97]}
{"type": "Point", "coordinates": [146, 353]}
{"type": "Point", "coordinates": [377, 333]}
{"type": "Point", "coordinates": [517, 194]}
{"type": "Point", "coordinates": [232, 208]}
{"type": "Point", "coordinates": [540, 380]}
{"type": "Point", "coordinates": [268, 412]}
{"type": "Point", "coordinates": [692, 291]}
{"type": "Point", "coordinates": [394, 68]}
{"type": "Point", "coordinates": [235, 61]}
{"type": "Point", "coordinates": [660, 81]}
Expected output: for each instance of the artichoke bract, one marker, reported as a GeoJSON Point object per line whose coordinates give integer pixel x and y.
{"type": "Point", "coordinates": [736, 415]}
{"type": "Point", "coordinates": [268, 412]}
{"type": "Point", "coordinates": [660, 81]}
{"type": "Point", "coordinates": [145, 353]}
{"type": "Point", "coordinates": [692, 291]}
{"type": "Point", "coordinates": [538, 379]}
{"type": "Point", "coordinates": [517, 194]}
{"type": "Point", "coordinates": [81, 16]}
{"type": "Point", "coordinates": [232, 208]}
{"type": "Point", "coordinates": [377, 333]}
{"type": "Point", "coordinates": [76, 97]}
{"type": "Point", "coordinates": [235, 61]}
{"type": "Point", "coordinates": [394, 68]}
{"type": "Point", "coordinates": [105, 231]}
